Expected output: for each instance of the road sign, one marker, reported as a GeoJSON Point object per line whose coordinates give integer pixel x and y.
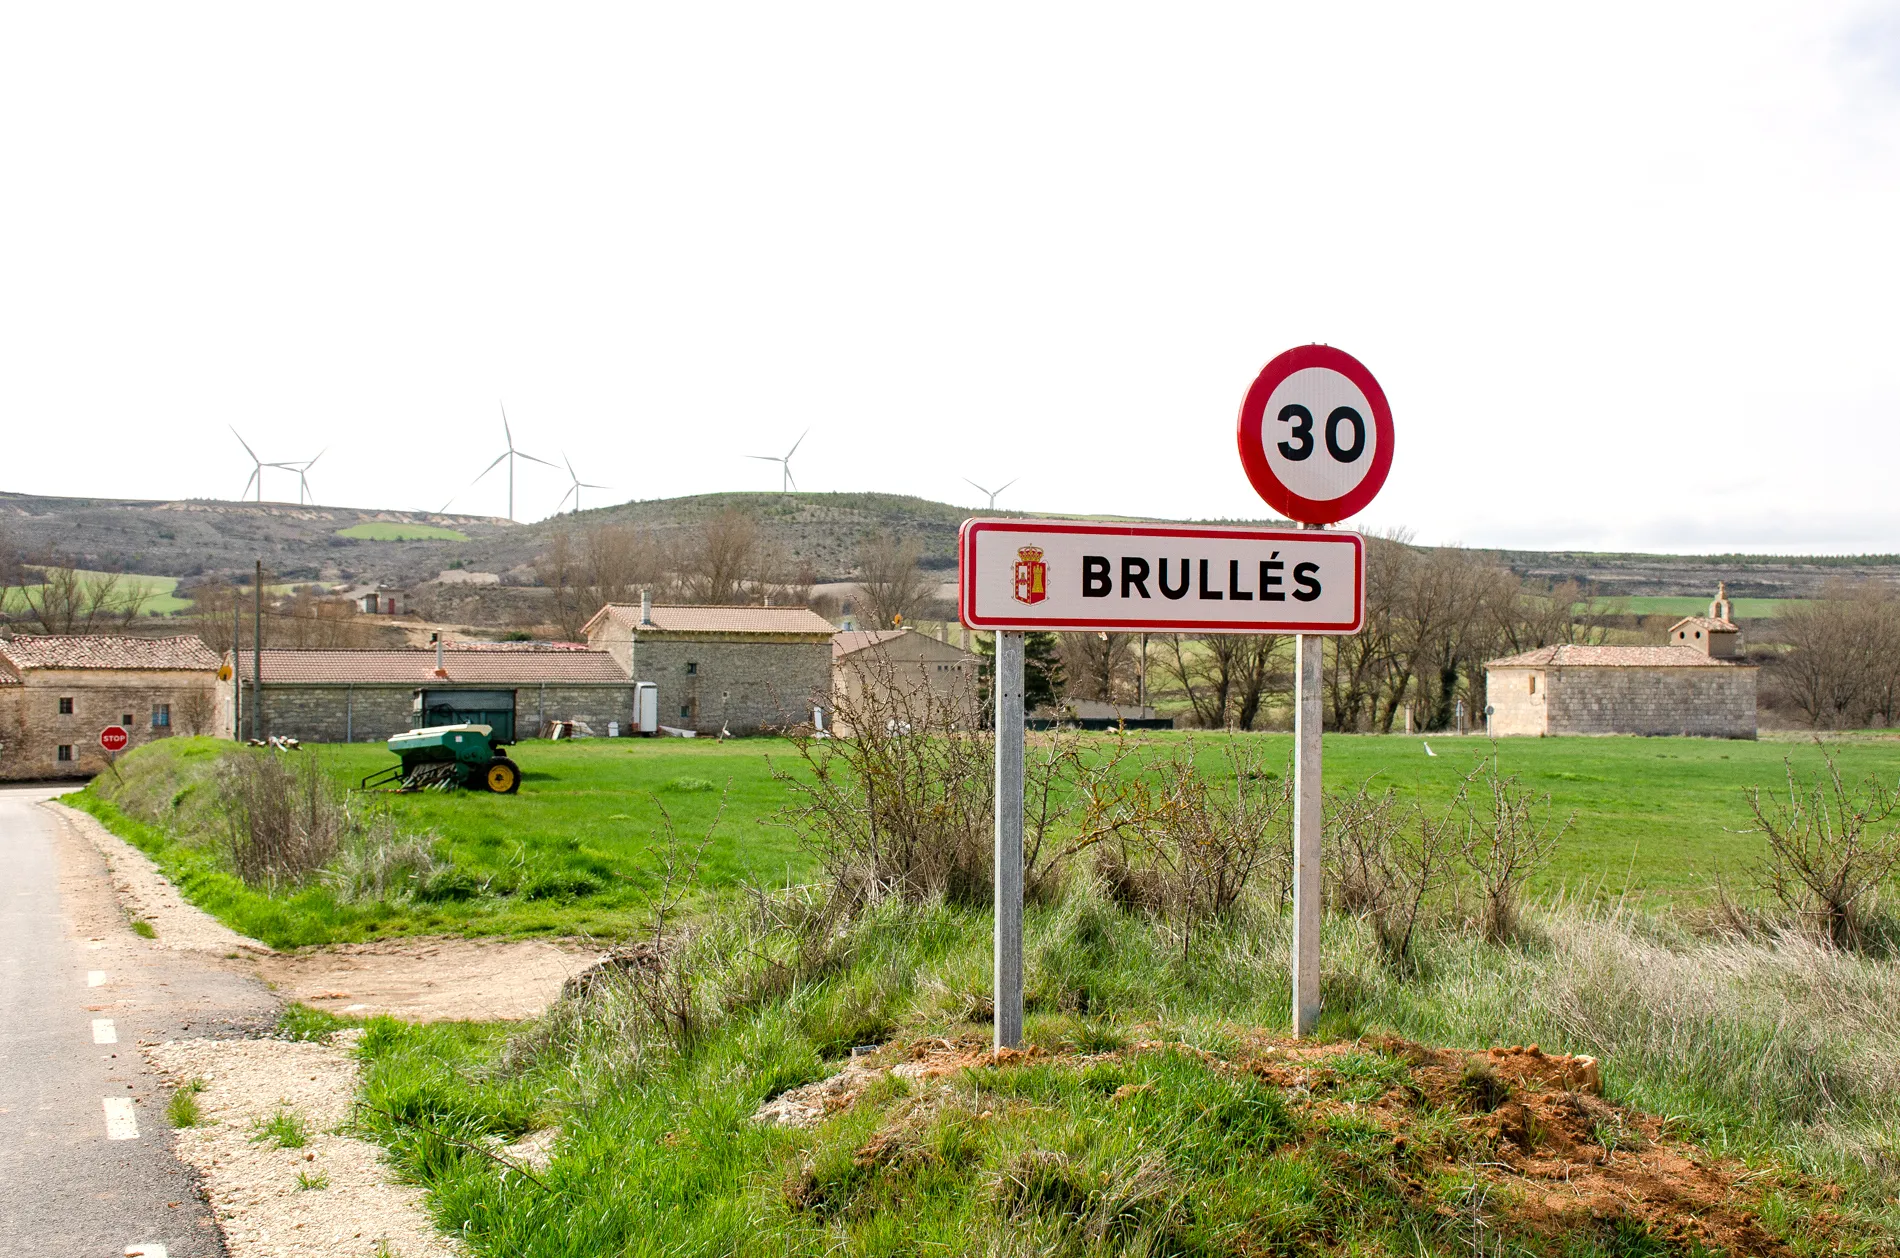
{"type": "Point", "coordinates": [114, 738]}
{"type": "Point", "coordinates": [1315, 439]}
{"type": "Point", "coordinates": [1032, 575]}
{"type": "Point", "coordinates": [1316, 435]}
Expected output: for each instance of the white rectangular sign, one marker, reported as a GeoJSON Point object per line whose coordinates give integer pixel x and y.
{"type": "Point", "coordinates": [1140, 578]}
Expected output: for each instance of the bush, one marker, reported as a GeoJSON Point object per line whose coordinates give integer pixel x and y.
{"type": "Point", "coordinates": [284, 817]}
{"type": "Point", "coordinates": [1830, 850]}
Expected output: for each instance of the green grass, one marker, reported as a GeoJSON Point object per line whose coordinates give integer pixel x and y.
{"type": "Point", "coordinates": [1741, 608]}
{"type": "Point", "coordinates": [182, 1110]}
{"type": "Point", "coordinates": [379, 531]}
{"type": "Point", "coordinates": [1656, 820]}
{"type": "Point", "coordinates": [571, 853]}
{"type": "Point", "coordinates": [1156, 1151]}
{"type": "Point", "coordinates": [159, 593]}
{"type": "Point", "coordinates": [285, 1129]}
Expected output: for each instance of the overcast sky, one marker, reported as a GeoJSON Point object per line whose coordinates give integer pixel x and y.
{"type": "Point", "coordinates": [1627, 273]}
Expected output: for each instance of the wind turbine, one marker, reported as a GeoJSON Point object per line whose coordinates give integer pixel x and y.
{"type": "Point", "coordinates": [785, 461]}
{"type": "Point", "coordinates": [303, 475]}
{"type": "Point", "coordinates": [991, 492]}
{"type": "Point", "coordinates": [257, 471]}
{"type": "Point", "coordinates": [510, 455]}
{"type": "Point", "coordinates": [579, 484]}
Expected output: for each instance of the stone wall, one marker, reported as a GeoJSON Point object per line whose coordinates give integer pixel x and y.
{"type": "Point", "coordinates": [1715, 702]}
{"type": "Point", "coordinates": [744, 686]}
{"type": "Point", "coordinates": [33, 729]}
{"type": "Point", "coordinates": [1518, 711]}
{"type": "Point", "coordinates": [334, 713]}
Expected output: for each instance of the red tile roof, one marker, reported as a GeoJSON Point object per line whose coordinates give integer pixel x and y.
{"type": "Point", "coordinates": [1566, 656]}
{"type": "Point", "coordinates": [416, 666]}
{"type": "Point", "coordinates": [778, 621]}
{"type": "Point", "coordinates": [1710, 623]}
{"type": "Point", "coordinates": [103, 651]}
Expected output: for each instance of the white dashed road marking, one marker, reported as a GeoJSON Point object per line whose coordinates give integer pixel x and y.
{"type": "Point", "coordinates": [122, 1123]}
{"type": "Point", "coordinates": [95, 978]}
{"type": "Point", "coordinates": [103, 1032]}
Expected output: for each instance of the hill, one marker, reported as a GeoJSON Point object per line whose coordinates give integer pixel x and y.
{"type": "Point", "coordinates": [818, 531]}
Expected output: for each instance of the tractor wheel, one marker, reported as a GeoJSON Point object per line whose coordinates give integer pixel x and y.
{"type": "Point", "coordinates": [502, 777]}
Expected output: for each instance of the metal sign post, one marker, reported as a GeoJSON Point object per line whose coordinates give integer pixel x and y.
{"type": "Point", "coordinates": [1007, 693]}
{"type": "Point", "coordinates": [1315, 438]}
{"type": "Point", "coordinates": [1019, 576]}
{"type": "Point", "coordinates": [1307, 796]}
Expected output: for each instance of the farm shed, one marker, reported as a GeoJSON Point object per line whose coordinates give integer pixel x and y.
{"type": "Point", "coordinates": [903, 658]}
{"type": "Point", "coordinates": [57, 693]}
{"type": "Point", "coordinates": [1695, 685]}
{"type": "Point", "coordinates": [742, 669]}
{"type": "Point", "coordinates": [365, 696]}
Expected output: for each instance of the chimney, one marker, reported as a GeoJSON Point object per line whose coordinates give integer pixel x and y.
{"type": "Point", "coordinates": [439, 670]}
{"type": "Point", "coordinates": [646, 609]}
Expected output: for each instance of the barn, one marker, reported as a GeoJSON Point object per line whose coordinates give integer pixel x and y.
{"type": "Point", "coordinates": [741, 670]}
{"type": "Point", "coordinates": [365, 696]}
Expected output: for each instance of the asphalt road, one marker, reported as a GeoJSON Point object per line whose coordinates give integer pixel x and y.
{"type": "Point", "coordinates": [85, 1164]}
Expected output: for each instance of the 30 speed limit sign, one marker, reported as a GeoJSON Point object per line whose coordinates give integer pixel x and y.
{"type": "Point", "coordinates": [1316, 435]}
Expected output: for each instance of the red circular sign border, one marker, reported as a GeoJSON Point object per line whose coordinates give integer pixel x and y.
{"type": "Point", "coordinates": [121, 730]}
{"type": "Point", "coordinates": [1253, 454]}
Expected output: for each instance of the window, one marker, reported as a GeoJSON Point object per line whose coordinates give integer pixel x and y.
{"type": "Point", "coordinates": [1533, 683]}
{"type": "Point", "coordinates": [692, 668]}
{"type": "Point", "coordinates": [64, 752]}
{"type": "Point", "coordinates": [126, 720]}
{"type": "Point", "coordinates": [65, 707]}
{"type": "Point", "coordinates": [686, 713]}
{"type": "Point", "coordinates": [161, 716]}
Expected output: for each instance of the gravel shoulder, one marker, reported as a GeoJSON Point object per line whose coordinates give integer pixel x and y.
{"type": "Point", "coordinates": [332, 1196]}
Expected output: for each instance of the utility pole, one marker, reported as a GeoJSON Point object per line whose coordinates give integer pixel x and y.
{"type": "Point", "coordinates": [237, 674]}
{"type": "Point", "coordinates": [257, 653]}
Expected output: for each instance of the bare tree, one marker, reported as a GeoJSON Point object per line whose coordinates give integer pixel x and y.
{"type": "Point", "coordinates": [1204, 667]}
{"type": "Point", "coordinates": [890, 584]}
{"type": "Point", "coordinates": [196, 711]}
{"type": "Point", "coordinates": [715, 566]}
{"type": "Point", "coordinates": [1841, 667]}
{"type": "Point", "coordinates": [1261, 670]}
{"type": "Point", "coordinates": [1097, 665]}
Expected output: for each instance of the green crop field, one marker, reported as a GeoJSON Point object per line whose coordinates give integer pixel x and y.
{"type": "Point", "coordinates": [1741, 608]}
{"type": "Point", "coordinates": [382, 532]}
{"type": "Point", "coordinates": [159, 592]}
{"type": "Point", "coordinates": [1656, 819]}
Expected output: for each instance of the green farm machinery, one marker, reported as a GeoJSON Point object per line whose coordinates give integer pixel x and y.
{"type": "Point", "coordinates": [448, 757]}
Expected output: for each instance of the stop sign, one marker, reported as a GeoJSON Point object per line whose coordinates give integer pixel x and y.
{"type": "Point", "coordinates": [114, 737]}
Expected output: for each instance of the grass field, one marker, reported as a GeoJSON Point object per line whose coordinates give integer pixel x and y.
{"type": "Point", "coordinates": [1656, 819]}
{"type": "Point", "coordinates": [381, 531]}
{"type": "Point", "coordinates": [158, 591]}
{"type": "Point", "coordinates": [1742, 608]}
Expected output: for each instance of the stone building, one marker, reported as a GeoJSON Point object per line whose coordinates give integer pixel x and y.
{"type": "Point", "coordinates": [1696, 685]}
{"type": "Point", "coordinates": [738, 669]}
{"type": "Point", "coordinates": [58, 693]}
{"type": "Point", "coordinates": [902, 657]}
{"type": "Point", "coordinates": [365, 696]}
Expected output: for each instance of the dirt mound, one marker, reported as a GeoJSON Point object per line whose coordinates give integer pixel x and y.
{"type": "Point", "coordinates": [1532, 1125]}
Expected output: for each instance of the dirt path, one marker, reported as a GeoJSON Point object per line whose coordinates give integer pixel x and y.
{"type": "Point", "coordinates": [419, 980]}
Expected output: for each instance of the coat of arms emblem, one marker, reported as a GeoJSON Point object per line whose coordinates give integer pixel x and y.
{"type": "Point", "coordinates": [1032, 575]}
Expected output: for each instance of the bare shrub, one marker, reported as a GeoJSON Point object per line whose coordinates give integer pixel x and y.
{"type": "Point", "coordinates": [378, 862]}
{"type": "Point", "coordinates": [196, 711]}
{"type": "Point", "coordinates": [1183, 846]}
{"type": "Point", "coordinates": [900, 799]}
{"type": "Point", "coordinates": [284, 816]}
{"type": "Point", "coordinates": [1829, 850]}
{"type": "Point", "coordinates": [1509, 836]}
{"type": "Point", "coordinates": [1390, 862]}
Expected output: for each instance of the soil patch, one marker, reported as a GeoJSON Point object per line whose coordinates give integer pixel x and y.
{"type": "Point", "coordinates": [277, 1165]}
